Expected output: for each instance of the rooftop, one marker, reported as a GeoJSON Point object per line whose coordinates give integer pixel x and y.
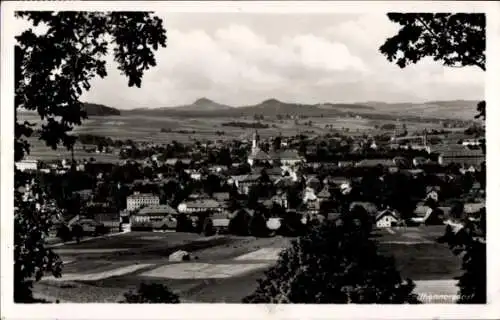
{"type": "Point", "coordinates": [162, 209]}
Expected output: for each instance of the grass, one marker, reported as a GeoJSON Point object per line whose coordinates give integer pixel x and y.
{"type": "Point", "coordinates": [422, 261]}
{"type": "Point", "coordinates": [146, 128]}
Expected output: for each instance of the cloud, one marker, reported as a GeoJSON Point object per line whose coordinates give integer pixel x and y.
{"type": "Point", "coordinates": [196, 62]}
{"type": "Point", "coordinates": [242, 59]}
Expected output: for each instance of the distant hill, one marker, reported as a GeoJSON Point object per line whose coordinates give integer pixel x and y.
{"type": "Point", "coordinates": [94, 109]}
{"type": "Point", "coordinates": [432, 110]}
{"type": "Point", "coordinates": [202, 104]}
{"type": "Point", "coordinates": [268, 108]}
{"type": "Point", "coordinates": [452, 109]}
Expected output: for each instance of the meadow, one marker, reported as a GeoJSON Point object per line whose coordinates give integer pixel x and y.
{"type": "Point", "coordinates": [222, 268]}
{"type": "Point", "coordinates": [185, 130]}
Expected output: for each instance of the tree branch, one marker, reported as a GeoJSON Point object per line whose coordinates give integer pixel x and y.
{"type": "Point", "coordinates": [479, 64]}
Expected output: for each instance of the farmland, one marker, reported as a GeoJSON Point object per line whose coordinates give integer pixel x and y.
{"type": "Point", "coordinates": [149, 129]}
{"type": "Point", "coordinates": [223, 268]}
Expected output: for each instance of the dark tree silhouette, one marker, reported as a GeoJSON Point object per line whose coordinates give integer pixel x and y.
{"type": "Point", "coordinates": [335, 262]}
{"type": "Point", "coordinates": [151, 293]}
{"type": "Point", "coordinates": [52, 69]}
{"type": "Point", "coordinates": [456, 40]}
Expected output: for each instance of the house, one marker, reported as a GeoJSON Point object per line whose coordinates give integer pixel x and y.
{"type": "Point", "coordinates": [336, 182]}
{"type": "Point", "coordinates": [218, 169]}
{"type": "Point", "coordinates": [171, 162]}
{"type": "Point", "coordinates": [470, 169]}
{"type": "Point", "coordinates": [220, 221]}
{"type": "Point", "coordinates": [140, 200]}
{"type": "Point", "coordinates": [288, 157]}
{"type": "Point", "coordinates": [471, 142]}
{"type": "Point", "coordinates": [333, 216]}
{"type": "Point", "coordinates": [309, 195]}
{"type": "Point", "coordinates": [27, 165]}
{"type": "Point", "coordinates": [158, 210]}
{"type": "Point", "coordinates": [199, 205]}
{"type": "Point", "coordinates": [155, 217]}
{"type": "Point", "coordinates": [345, 164]}
{"type": "Point", "coordinates": [419, 161]}
{"type": "Point", "coordinates": [428, 216]}
{"type": "Point", "coordinates": [109, 220]}
{"type": "Point", "coordinates": [473, 208]}
{"type": "Point", "coordinates": [312, 207]}
{"type": "Point", "coordinates": [221, 196]}
{"type": "Point", "coordinates": [386, 218]}
{"type": "Point", "coordinates": [313, 182]}
{"type": "Point", "coordinates": [460, 155]}
{"type": "Point", "coordinates": [281, 199]}
{"type": "Point", "coordinates": [433, 195]}
{"type": "Point", "coordinates": [245, 182]}
{"type": "Point", "coordinates": [414, 173]}
{"type": "Point", "coordinates": [85, 194]}
{"type": "Point", "coordinates": [370, 163]}
{"type": "Point", "coordinates": [324, 194]}
{"type": "Point", "coordinates": [311, 203]}
{"type": "Point", "coordinates": [284, 182]}
{"type": "Point", "coordinates": [242, 212]}
{"type": "Point", "coordinates": [274, 172]}
{"type": "Point", "coordinates": [195, 175]}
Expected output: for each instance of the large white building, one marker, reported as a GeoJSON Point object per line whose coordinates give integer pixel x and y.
{"type": "Point", "coordinates": [27, 165]}
{"type": "Point", "coordinates": [141, 200]}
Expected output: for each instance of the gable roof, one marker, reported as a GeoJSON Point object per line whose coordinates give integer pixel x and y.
{"type": "Point", "coordinates": [375, 162]}
{"type": "Point", "coordinates": [289, 154]}
{"type": "Point", "coordinates": [274, 171]}
{"type": "Point", "coordinates": [386, 212]}
{"type": "Point", "coordinates": [202, 203]}
{"type": "Point", "coordinates": [259, 155]}
{"type": "Point", "coordinates": [245, 210]}
{"type": "Point", "coordinates": [159, 210]}
{"type": "Point", "coordinates": [221, 196]}
{"type": "Point", "coordinates": [324, 193]}
{"type": "Point", "coordinates": [473, 207]}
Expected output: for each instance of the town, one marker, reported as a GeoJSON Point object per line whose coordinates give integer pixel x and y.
{"type": "Point", "coordinates": [278, 187]}
{"type": "Point", "coordinates": [327, 172]}
{"type": "Point", "coordinates": [287, 181]}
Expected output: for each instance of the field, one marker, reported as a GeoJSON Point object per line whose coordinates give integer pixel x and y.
{"type": "Point", "coordinates": [223, 268]}
{"type": "Point", "coordinates": [147, 128]}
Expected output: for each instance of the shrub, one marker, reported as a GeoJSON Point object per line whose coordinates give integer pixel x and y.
{"type": "Point", "coordinates": [64, 233]}
{"type": "Point", "coordinates": [258, 227]}
{"type": "Point", "coordinates": [151, 293]}
{"type": "Point", "coordinates": [240, 224]}
{"type": "Point", "coordinates": [77, 231]}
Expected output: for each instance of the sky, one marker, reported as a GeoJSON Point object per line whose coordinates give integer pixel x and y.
{"type": "Point", "coordinates": [245, 58]}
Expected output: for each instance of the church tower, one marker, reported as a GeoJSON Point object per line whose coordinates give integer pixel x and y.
{"type": "Point", "coordinates": [255, 141]}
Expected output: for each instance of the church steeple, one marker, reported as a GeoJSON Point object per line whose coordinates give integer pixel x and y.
{"type": "Point", "coordinates": [255, 141]}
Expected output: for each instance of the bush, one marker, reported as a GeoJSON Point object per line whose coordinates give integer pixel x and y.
{"type": "Point", "coordinates": [151, 293]}
{"type": "Point", "coordinates": [184, 223]}
{"type": "Point", "coordinates": [258, 226]}
{"type": "Point", "coordinates": [292, 225]}
{"type": "Point", "coordinates": [336, 262]}
{"type": "Point", "coordinates": [64, 233]}
{"type": "Point", "coordinates": [77, 232]}
{"type": "Point", "coordinates": [240, 224]}
{"type": "Point", "coordinates": [208, 227]}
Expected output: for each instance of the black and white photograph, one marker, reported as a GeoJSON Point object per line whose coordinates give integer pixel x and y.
{"type": "Point", "coordinates": [238, 153]}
